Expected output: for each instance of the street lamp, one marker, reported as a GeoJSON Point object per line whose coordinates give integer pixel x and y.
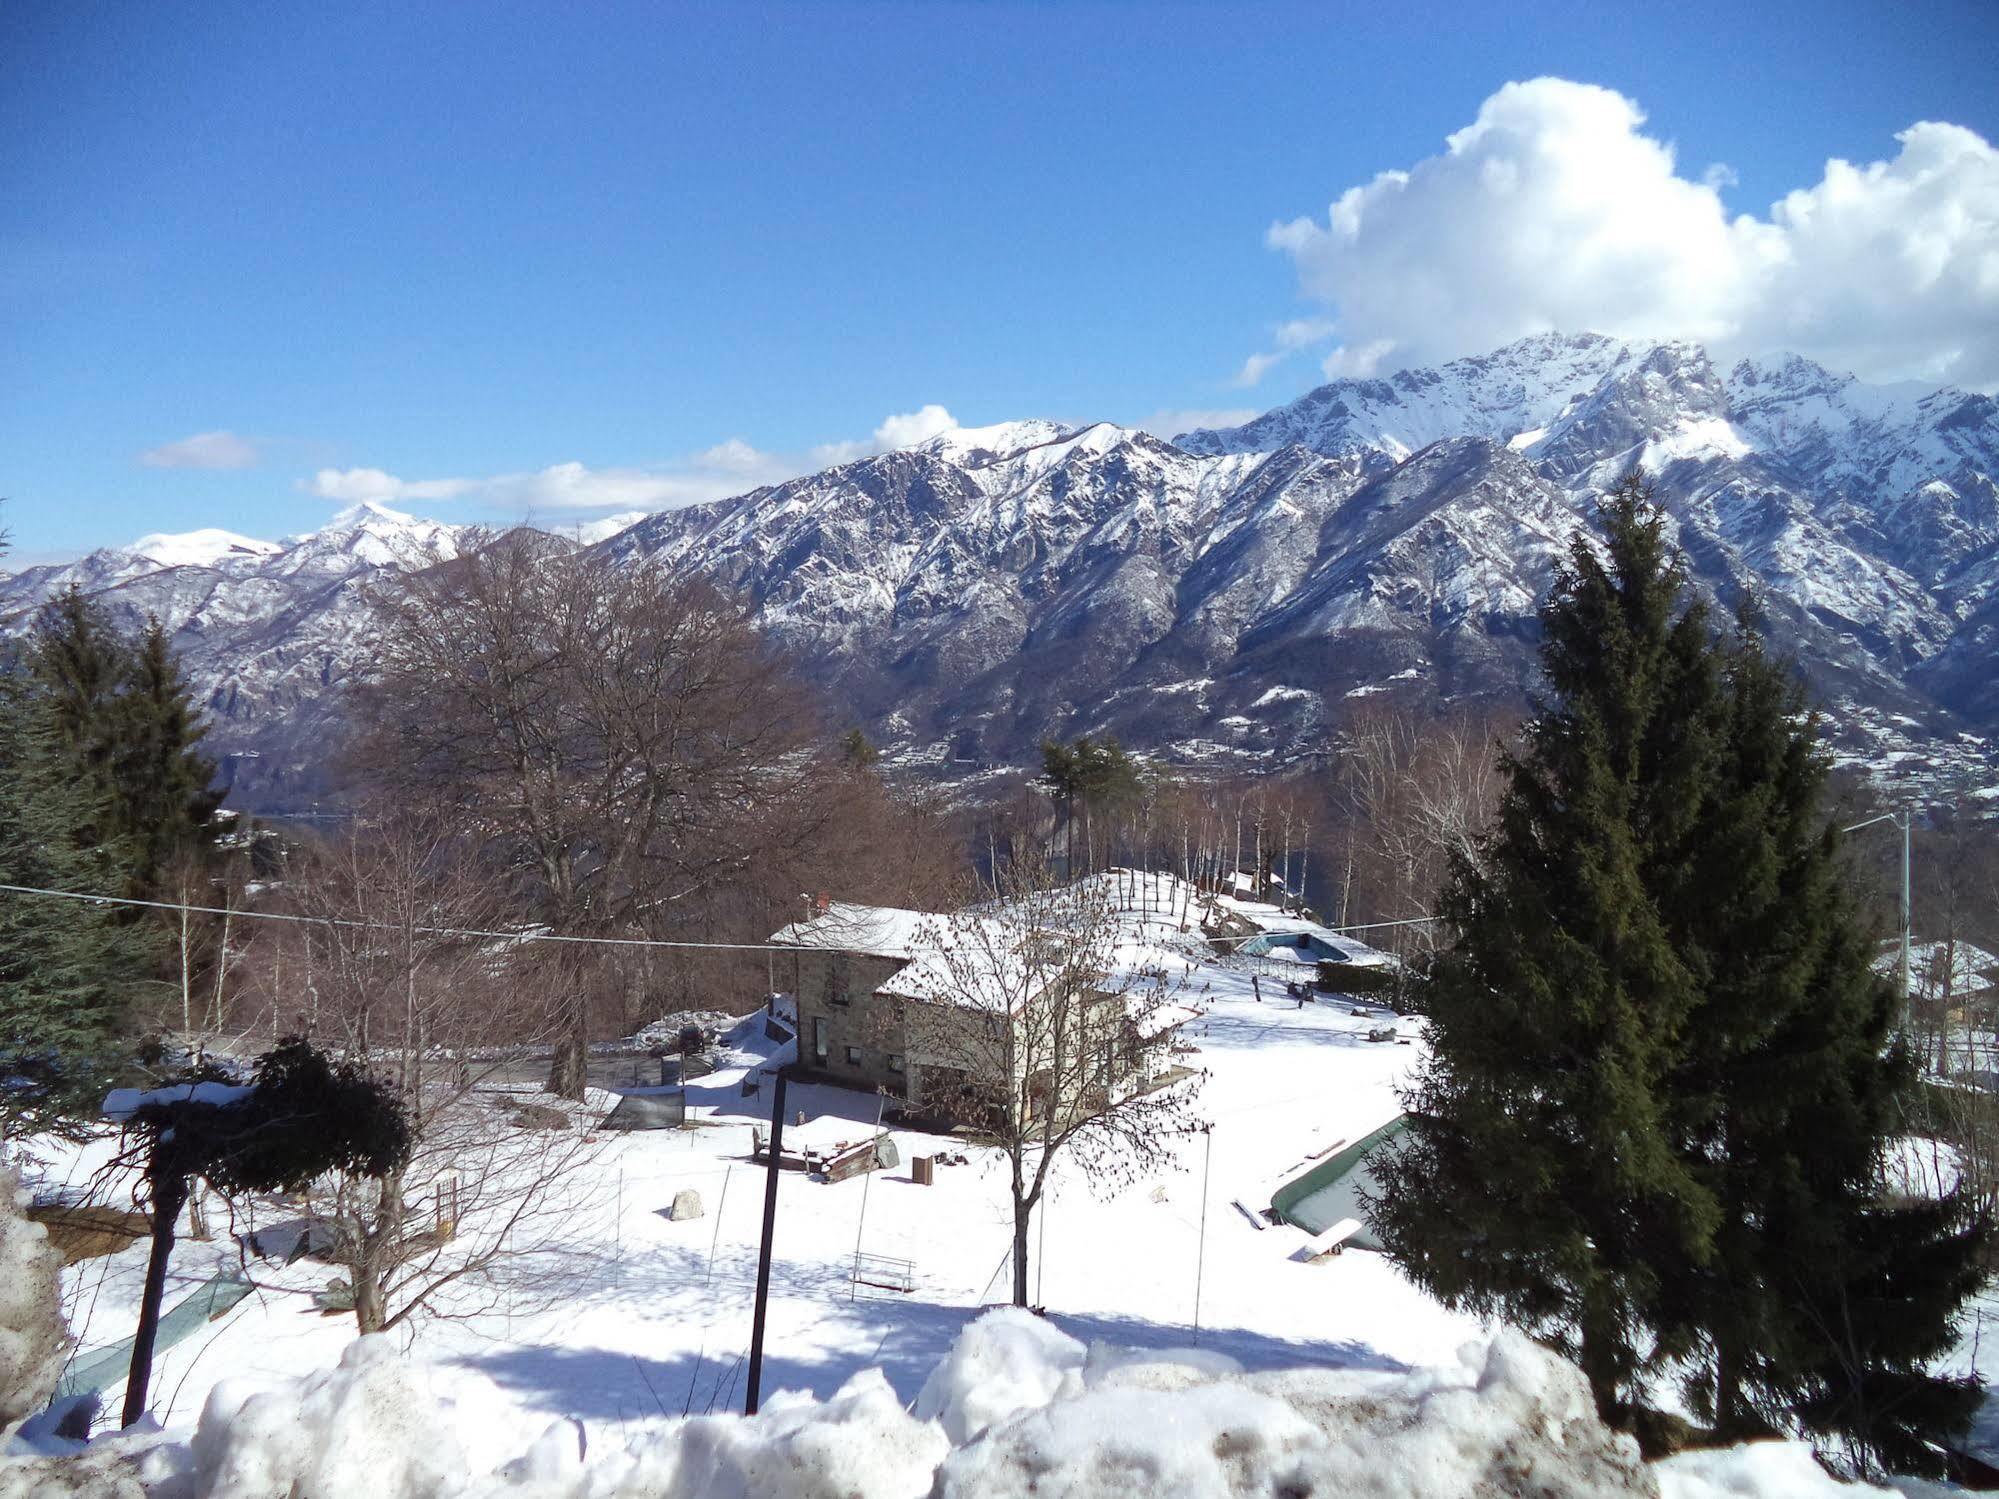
{"type": "Point", "coordinates": [1901, 820]}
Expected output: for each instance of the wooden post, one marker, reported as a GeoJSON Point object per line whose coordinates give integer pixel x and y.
{"type": "Point", "coordinates": [169, 1196]}
{"type": "Point", "coordinates": [763, 1252]}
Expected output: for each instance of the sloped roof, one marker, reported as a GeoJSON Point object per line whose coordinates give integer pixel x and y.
{"type": "Point", "coordinates": [1966, 969]}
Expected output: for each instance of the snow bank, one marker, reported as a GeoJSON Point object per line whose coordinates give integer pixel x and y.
{"type": "Point", "coordinates": [1007, 1362]}
{"type": "Point", "coordinates": [384, 1426]}
{"type": "Point", "coordinates": [1763, 1470]}
{"type": "Point", "coordinates": [1017, 1407]}
{"type": "Point", "coordinates": [1510, 1419]}
{"type": "Point", "coordinates": [859, 1443]}
{"type": "Point", "coordinates": [33, 1340]}
{"type": "Point", "coordinates": [375, 1425]}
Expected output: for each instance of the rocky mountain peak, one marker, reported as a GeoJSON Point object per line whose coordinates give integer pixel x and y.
{"type": "Point", "coordinates": [1217, 598]}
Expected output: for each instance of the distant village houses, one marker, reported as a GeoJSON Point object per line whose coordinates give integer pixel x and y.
{"type": "Point", "coordinates": [947, 1014]}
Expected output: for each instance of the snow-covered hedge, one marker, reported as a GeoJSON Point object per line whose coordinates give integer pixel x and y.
{"type": "Point", "coordinates": [1016, 1408]}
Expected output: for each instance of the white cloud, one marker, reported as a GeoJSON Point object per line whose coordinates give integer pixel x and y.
{"type": "Point", "coordinates": [728, 468]}
{"type": "Point", "coordinates": [1553, 210]}
{"type": "Point", "coordinates": [912, 427]}
{"type": "Point", "coordinates": [354, 486]}
{"type": "Point", "coordinates": [1254, 369]}
{"type": "Point", "coordinates": [1299, 333]}
{"type": "Point", "coordinates": [203, 450]}
{"type": "Point", "coordinates": [903, 430]}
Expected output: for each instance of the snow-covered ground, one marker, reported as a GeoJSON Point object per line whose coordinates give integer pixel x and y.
{"type": "Point", "coordinates": [658, 1313]}
{"type": "Point", "coordinates": [653, 1316]}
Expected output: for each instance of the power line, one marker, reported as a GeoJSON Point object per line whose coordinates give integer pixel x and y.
{"type": "Point", "coordinates": [448, 931]}
{"type": "Point", "coordinates": [383, 926]}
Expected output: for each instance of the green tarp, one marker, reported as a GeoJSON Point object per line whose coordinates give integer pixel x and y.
{"type": "Point", "coordinates": [95, 1372]}
{"type": "Point", "coordinates": [1330, 1191]}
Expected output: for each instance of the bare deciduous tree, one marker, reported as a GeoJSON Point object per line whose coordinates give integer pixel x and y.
{"type": "Point", "coordinates": [1018, 1015]}
{"type": "Point", "coordinates": [1409, 794]}
{"type": "Point", "coordinates": [479, 1210]}
{"type": "Point", "coordinates": [622, 741]}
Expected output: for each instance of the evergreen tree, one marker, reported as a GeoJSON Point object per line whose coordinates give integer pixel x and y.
{"type": "Point", "coordinates": [1538, 1181]}
{"type": "Point", "coordinates": [164, 785]}
{"type": "Point", "coordinates": [81, 665]}
{"type": "Point", "coordinates": [123, 711]}
{"type": "Point", "coordinates": [1822, 1301]}
{"type": "Point", "coordinates": [1663, 1070]}
{"type": "Point", "coordinates": [69, 971]}
{"type": "Point", "coordinates": [1060, 768]}
{"type": "Point", "coordinates": [856, 752]}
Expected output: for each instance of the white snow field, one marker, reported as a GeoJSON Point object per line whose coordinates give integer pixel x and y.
{"type": "Point", "coordinates": [585, 1392]}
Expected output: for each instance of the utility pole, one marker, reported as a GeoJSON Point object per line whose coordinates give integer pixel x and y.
{"type": "Point", "coordinates": [763, 1253]}
{"type": "Point", "coordinates": [1201, 1253]}
{"type": "Point", "coordinates": [1901, 820]}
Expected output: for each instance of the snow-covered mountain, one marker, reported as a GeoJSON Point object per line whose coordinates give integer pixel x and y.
{"type": "Point", "coordinates": [1222, 595]}
{"type": "Point", "coordinates": [268, 631]}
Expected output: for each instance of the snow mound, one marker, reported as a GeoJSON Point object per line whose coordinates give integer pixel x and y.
{"type": "Point", "coordinates": [1017, 1407]}
{"type": "Point", "coordinates": [1759, 1469]}
{"type": "Point", "coordinates": [33, 1340]}
{"type": "Point", "coordinates": [380, 1425]}
{"type": "Point", "coordinates": [859, 1443]}
{"type": "Point", "coordinates": [1510, 1420]}
{"type": "Point", "coordinates": [1007, 1362]}
{"type": "Point", "coordinates": [376, 1425]}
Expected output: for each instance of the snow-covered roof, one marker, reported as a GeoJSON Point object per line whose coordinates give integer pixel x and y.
{"type": "Point", "coordinates": [121, 1104]}
{"type": "Point", "coordinates": [878, 931]}
{"type": "Point", "coordinates": [1939, 967]}
{"type": "Point", "coordinates": [965, 959]}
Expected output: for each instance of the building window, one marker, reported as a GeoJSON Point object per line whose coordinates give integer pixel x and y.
{"type": "Point", "coordinates": [853, 1056]}
{"type": "Point", "coordinates": [894, 1062]}
{"type": "Point", "coordinates": [819, 1037]}
{"type": "Point", "coordinates": [839, 981]}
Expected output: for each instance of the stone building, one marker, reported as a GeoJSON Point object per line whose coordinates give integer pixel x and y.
{"type": "Point", "coordinates": [933, 1009]}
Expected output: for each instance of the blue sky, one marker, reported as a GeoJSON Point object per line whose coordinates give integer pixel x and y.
{"type": "Point", "coordinates": [430, 253]}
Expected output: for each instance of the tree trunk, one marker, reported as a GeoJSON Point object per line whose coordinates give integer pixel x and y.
{"type": "Point", "coordinates": [1728, 1418]}
{"type": "Point", "coordinates": [569, 1070]}
{"type": "Point", "coordinates": [221, 965]}
{"type": "Point", "coordinates": [1599, 1357]}
{"type": "Point", "coordinates": [186, 967]}
{"type": "Point", "coordinates": [368, 1312]}
{"type": "Point", "coordinates": [1022, 1213]}
{"type": "Point", "coordinates": [169, 1197]}
{"type": "Point", "coordinates": [375, 1252]}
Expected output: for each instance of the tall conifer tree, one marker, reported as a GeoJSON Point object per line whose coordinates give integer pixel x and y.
{"type": "Point", "coordinates": [1823, 1302]}
{"type": "Point", "coordinates": [1663, 1069]}
{"type": "Point", "coordinates": [124, 713]}
{"type": "Point", "coordinates": [164, 784]}
{"type": "Point", "coordinates": [80, 666]}
{"type": "Point", "coordinates": [69, 971]}
{"type": "Point", "coordinates": [1538, 1181]}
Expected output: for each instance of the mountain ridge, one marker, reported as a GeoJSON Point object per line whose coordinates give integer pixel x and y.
{"type": "Point", "coordinates": [1217, 596]}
